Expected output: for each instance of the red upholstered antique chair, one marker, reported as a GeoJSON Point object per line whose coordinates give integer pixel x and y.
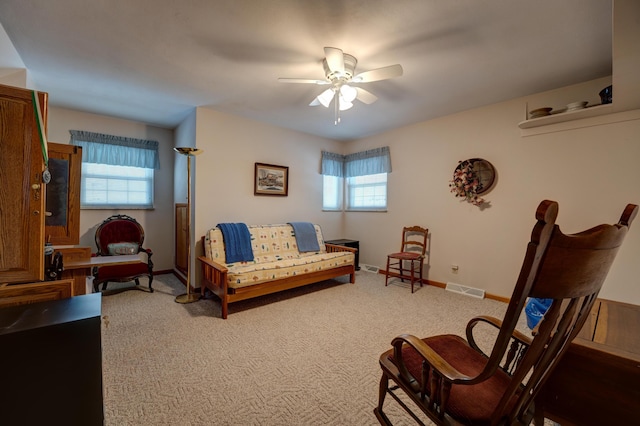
{"type": "Point", "coordinates": [454, 382]}
{"type": "Point", "coordinates": [412, 251]}
{"type": "Point", "coordinates": [121, 235]}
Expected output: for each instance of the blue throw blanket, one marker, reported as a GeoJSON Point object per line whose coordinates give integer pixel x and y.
{"type": "Point", "coordinates": [237, 242]}
{"type": "Point", "coordinates": [306, 238]}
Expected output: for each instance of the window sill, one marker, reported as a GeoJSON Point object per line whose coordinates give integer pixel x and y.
{"type": "Point", "coordinates": [366, 210]}
{"type": "Point", "coordinates": [117, 207]}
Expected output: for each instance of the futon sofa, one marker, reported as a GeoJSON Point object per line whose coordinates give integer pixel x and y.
{"type": "Point", "coordinates": [277, 264]}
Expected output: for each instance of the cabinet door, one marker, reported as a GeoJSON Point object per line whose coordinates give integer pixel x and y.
{"type": "Point", "coordinates": [21, 188]}
{"type": "Point", "coordinates": [62, 221]}
{"type": "Point", "coordinates": [182, 238]}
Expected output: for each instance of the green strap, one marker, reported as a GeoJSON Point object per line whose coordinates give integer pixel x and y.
{"type": "Point", "coordinates": [43, 141]}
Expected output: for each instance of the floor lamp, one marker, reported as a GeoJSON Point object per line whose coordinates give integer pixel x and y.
{"type": "Point", "coordinates": [189, 152]}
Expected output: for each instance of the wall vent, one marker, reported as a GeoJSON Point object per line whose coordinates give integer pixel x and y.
{"type": "Point", "coordinates": [369, 268]}
{"type": "Point", "coordinates": [463, 289]}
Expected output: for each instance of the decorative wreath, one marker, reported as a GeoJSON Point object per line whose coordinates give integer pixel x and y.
{"type": "Point", "coordinates": [466, 183]}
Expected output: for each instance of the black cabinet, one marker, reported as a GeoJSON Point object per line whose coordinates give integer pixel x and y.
{"type": "Point", "coordinates": [51, 363]}
{"type": "Point", "coordinates": [349, 243]}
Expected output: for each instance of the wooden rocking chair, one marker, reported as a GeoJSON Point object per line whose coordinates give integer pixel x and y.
{"type": "Point", "coordinates": [454, 382]}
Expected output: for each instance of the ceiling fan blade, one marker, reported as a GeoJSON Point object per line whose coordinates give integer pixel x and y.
{"type": "Point", "coordinates": [379, 74]}
{"type": "Point", "coordinates": [315, 102]}
{"type": "Point", "coordinates": [302, 80]}
{"type": "Point", "coordinates": [366, 96]}
{"type": "Point", "coordinates": [335, 59]}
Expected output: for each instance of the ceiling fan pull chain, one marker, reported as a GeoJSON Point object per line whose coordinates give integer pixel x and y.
{"type": "Point", "coordinates": [336, 96]}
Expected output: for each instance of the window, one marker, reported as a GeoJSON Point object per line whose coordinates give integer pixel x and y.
{"type": "Point", "coordinates": [367, 192]}
{"type": "Point", "coordinates": [106, 186]}
{"type": "Point", "coordinates": [117, 172]}
{"type": "Point", "coordinates": [365, 176]}
{"type": "Point", "coordinates": [332, 192]}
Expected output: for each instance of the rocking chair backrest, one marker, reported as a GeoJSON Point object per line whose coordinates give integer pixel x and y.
{"type": "Point", "coordinates": [570, 270]}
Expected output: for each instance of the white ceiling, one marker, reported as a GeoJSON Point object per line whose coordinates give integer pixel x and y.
{"type": "Point", "coordinates": [155, 60]}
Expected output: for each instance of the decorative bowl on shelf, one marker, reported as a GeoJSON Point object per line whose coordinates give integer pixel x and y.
{"type": "Point", "coordinates": [540, 112]}
{"type": "Point", "coordinates": [606, 95]}
{"type": "Point", "coordinates": [573, 106]}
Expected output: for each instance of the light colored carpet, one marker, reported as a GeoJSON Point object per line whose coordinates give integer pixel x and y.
{"type": "Point", "coordinates": [307, 356]}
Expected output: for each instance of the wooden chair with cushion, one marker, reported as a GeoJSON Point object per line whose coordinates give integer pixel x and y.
{"type": "Point", "coordinates": [412, 251]}
{"type": "Point", "coordinates": [455, 383]}
{"type": "Point", "coordinates": [121, 235]}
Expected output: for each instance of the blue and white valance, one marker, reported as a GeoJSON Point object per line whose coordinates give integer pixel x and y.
{"type": "Point", "coordinates": [116, 150]}
{"type": "Point", "coordinates": [371, 162]}
{"type": "Point", "coordinates": [332, 164]}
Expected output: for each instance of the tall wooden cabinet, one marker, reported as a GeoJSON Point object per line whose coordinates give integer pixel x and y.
{"type": "Point", "coordinates": [21, 188]}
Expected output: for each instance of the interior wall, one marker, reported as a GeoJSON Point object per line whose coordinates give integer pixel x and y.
{"type": "Point", "coordinates": [13, 72]}
{"type": "Point", "coordinates": [155, 222]}
{"type": "Point", "coordinates": [185, 135]}
{"type": "Point", "coordinates": [16, 77]}
{"type": "Point", "coordinates": [589, 171]}
{"type": "Point", "coordinates": [225, 174]}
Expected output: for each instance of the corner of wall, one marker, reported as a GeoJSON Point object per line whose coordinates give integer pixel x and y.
{"type": "Point", "coordinates": [14, 77]}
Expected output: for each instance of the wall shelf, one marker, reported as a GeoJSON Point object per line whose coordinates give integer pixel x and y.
{"type": "Point", "coordinates": [593, 116]}
{"type": "Point", "coordinates": [562, 117]}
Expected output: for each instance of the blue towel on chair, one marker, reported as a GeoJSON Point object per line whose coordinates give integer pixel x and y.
{"type": "Point", "coordinates": [305, 236]}
{"type": "Point", "coordinates": [237, 242]}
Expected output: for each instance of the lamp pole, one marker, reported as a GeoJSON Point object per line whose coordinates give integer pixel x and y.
{"type": "Point", "coordinates": [189, 152]}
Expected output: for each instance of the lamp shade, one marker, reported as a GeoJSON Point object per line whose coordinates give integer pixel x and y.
{"type": "Point", "coordinates": [348, 93]}
{"type": "Point", "coordinates": [326, 97]}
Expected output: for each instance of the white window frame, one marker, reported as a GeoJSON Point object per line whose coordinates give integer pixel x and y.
{"type": "Point", "coordinates": [106, 186]}
{"type": "Point", "coordinates": [366, 193]}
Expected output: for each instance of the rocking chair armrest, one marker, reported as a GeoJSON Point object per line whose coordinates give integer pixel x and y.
{"type": "Point", "coordinates": [439, 364]}
{"type": "Point", "coordinates": [517, 335]}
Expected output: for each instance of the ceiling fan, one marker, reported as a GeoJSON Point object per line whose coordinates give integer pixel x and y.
{"type": "Point", "coordinates": [339, 70]}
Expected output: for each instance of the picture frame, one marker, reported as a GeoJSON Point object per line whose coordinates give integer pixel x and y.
{"type": "Point", "coordinates": [270, 179]}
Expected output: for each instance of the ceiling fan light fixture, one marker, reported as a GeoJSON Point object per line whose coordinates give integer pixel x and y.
{"type": "Point", "coordinates": [344, 105]}
{"type": "Point", "coordinates": [339, 70]}
{"type": "Point", "coordinates": [348, 93]}
{"type": "Point", "coordinates": [326, 97]}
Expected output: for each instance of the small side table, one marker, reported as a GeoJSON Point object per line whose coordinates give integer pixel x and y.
{"type": "Point", "coordinates": [349, 243]}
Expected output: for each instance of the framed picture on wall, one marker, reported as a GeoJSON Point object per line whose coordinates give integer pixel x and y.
{"type": "Point", "coordinates": [270, 179]}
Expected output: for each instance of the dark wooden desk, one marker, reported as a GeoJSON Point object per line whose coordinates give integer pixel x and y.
{"type": "Point", "coordinates": [597, 382]}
